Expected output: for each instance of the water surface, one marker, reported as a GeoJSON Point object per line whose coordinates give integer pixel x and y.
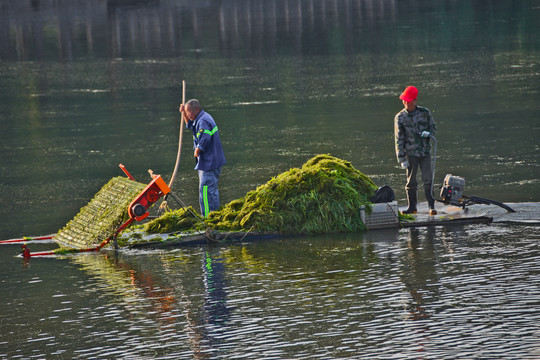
{"type": "Point", "coordinates": [446, 293]}
{"type": "Point", "coordinates": [86, 85]}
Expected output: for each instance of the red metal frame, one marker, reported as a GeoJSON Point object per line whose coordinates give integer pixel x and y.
{"type": "Point", "coordinates": [37, 238]}
{"type": "Point", "coordinates": [151, 193]}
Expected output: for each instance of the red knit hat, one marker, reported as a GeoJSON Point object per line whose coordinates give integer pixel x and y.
{"type": "Point", "coordinates": [409, 94]}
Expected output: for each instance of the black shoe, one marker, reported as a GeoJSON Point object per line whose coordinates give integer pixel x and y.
{"type": "Point", "coordinates": [409, 211]}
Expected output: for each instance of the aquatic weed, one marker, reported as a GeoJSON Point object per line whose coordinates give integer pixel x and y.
{"type": "Point", "coordinates": [322, 196]}
{"type": "Point", "coordinates": [173, 221]}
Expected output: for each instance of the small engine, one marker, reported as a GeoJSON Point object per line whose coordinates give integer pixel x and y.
{"type": "Point", "coordinates": [452, 189]}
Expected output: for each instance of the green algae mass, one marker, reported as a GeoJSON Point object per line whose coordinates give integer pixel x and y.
{"type": "Point", "coordinates": [174, 221]}
{"type": "Point", "coordinates": [322, 196]}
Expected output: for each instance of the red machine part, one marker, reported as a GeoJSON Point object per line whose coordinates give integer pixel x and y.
{"type": "Point", "coordinates": [138, 209]}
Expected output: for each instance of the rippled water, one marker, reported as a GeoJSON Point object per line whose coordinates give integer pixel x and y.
{"type": "Point", "coordinates": [469, 292]}
{"type": "Point", "coordinates": [86, 85]}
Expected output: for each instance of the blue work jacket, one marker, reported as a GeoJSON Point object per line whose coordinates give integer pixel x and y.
{"type": "Point", "coordinates": [206, 138]}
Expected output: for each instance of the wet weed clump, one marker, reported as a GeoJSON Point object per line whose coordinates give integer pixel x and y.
{"type": "Point", "coordinates": [322, 196]}
{"type": "Point", "coordinates": [183, 219]}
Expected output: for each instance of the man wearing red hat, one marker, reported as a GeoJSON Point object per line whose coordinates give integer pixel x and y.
{"type": "Point", "coordinates": [413, 127]}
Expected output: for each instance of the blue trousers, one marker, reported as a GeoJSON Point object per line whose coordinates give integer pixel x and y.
{"type": "Point", "coordinates": [208, 190]}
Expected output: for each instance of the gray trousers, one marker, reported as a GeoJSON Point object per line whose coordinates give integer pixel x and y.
{"type": "Point", "coordinates": [424, 163]}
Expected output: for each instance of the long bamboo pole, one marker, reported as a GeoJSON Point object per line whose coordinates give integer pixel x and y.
{"type": "Point", "coordinates": [182, 119]}
{"type": "Point", "coordinates": [163, 207]}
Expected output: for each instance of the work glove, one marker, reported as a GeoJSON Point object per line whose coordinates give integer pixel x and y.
{"type": "Point", "coordinates": [405, 164]}
{"type": "Point", "coordinates": [425, 134]}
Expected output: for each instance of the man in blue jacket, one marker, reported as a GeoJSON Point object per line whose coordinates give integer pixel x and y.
{"type": "Point", "coordinates": [208, 153]}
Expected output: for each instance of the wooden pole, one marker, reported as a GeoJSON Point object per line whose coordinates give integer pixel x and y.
{"type": "Point", "coordinates": [180, 136]}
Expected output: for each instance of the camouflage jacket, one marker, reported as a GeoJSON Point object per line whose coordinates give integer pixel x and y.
{"type": "Point", "coordinates": [407, 130]}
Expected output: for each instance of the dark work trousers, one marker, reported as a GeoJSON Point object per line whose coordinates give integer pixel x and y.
{"type": "Point", "coordinates": [424, 163]}
{"type": "Point", "coordinates": [208, 190]}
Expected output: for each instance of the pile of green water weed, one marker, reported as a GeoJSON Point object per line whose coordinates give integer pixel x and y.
{"type": "Point", "coordinates": [405, 217]}
{"type": "Point", "coordinates": [174, 221]}
{"type": "Point", "coordinates": [322, 196]}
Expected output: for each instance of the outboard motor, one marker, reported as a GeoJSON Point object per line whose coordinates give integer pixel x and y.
{"type": "Point", "coordinates": [452, 189]}
{"type": "Point", "coordinates": [452, 193]}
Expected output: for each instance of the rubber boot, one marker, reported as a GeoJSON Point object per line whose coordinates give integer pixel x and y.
{"type": "Point", "coordinates": [431, 202]}
{"type": "Point", "coordinates": [412, 200]}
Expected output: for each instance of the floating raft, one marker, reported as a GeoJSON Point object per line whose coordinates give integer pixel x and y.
{"type": "Point", "coordinates": [183, 240]}
{"type": "Point", "coordinates": [447, 215]}
{"type": "Point", "coordinates": [449, 221]}
{"type": "Point", "coordinates": [325, 195]}
{"type": "Point", "coordinates": [383, 216]}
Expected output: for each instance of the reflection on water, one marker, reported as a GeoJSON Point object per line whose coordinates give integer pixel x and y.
{"type": "Point", "coordinates": [216, 310]}
{"type": "Point", "coordinates": [142, 28]}
{"type": "Point", "coordinates": [445, 293]}
{"type": "Point", "coordinates": [419, 271]}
